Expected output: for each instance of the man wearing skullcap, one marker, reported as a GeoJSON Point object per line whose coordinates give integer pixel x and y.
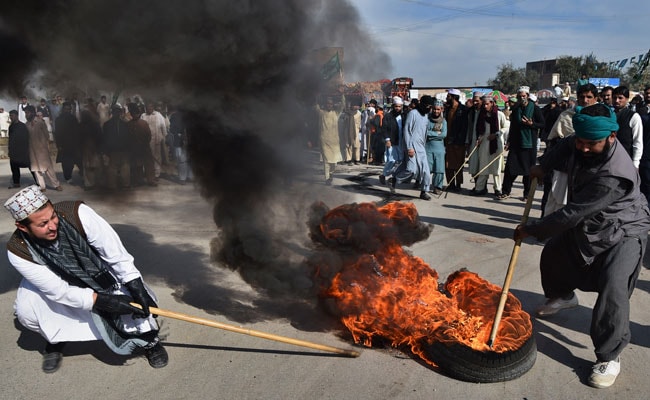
{"type": "Point", "coordinates": [78, 280]}
{"type": "Point", "coordinates": [435, 146]}
{"type": "Point", "coordinates": [525, 121]}
{"type": "Point", "coordinates": [489, 142]}
{"type": "Point", "coordinates": [597, 240]}
{"type": "Point", "coordinates": [414, 144]}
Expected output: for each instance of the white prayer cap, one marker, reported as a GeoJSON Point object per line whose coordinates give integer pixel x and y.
{"type": "Point", "coordinates": [565, 99]}
{"type": "Point", "coordinates": [454, 92]}
{"type": "Point", "coordinates": [478, 94]}
{"type": "Point", "coordinates": [523, 89]}
{"type": "Point", "coordinates": [532, 97]}
{"type": "Point", "coordinates": [26, 202]}
{"type": "Point", "coordinates": [398, 100]}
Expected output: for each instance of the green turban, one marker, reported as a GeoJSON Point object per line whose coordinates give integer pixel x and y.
{"type": "Point", "coordinates": [594, 128]}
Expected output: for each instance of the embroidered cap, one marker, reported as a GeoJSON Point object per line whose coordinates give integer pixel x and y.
{"type": "Point", "coordinates": [24, 203]}
{"type": "Point", "coordinates": [523, 89]}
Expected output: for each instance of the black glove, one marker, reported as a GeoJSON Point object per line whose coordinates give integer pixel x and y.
{"type": "Point", "coordinates": [116, 304]}
{"type": "Point", "coordinates": [140, 295]}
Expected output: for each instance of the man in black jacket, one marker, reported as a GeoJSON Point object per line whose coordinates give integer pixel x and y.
{"type": "Point", "coordinates": [525, 122]}
{"type": "Point", "coordinates": [597, 240]}
{"type": "Point", "coordinates": [18, 148]}
{"type": "Point", "coordinates": [392, 132]}
{"type": "Point", "coordinates": [456, 147]}
{"type": "Point", "coordinates": [116, 146]}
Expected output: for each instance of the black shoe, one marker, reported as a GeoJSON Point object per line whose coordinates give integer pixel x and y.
{"type": "Point", "coordinates": [392, 182]}
{"type": "Point", "coordinates": [497, 193]}
{"type": "Point", "coordinates": [382, 179]}
{"type": "Point", "coordinates": [52, 357]}
{"type": "Point", "coordinates": [475, 192]}
{"type": "Point", "coordinates": [328, 182]}
{"type": "Point", "coordinates": [157, 356]}
{"type": "Point", "coordinates": [424, 196]}
{"type": "Point", "coordinates": [14, 186]}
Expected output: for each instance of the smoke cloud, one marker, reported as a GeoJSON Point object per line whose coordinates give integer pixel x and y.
{"type": "Point", "coordinates": [243, 73]}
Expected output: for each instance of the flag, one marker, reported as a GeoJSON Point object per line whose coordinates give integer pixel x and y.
{"type": "Point", "coordinates": [642, 67]}
{"type": "Point", "coordinates": [331, 68]}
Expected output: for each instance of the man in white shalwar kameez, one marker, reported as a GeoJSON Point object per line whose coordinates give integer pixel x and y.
{"type": "Point", "coordinates": [78, 280]}
{"type": "Point", "coordinates": [487, 136]}
{"type": "Point", "coordinates": [328, 134]}
{"type": "Point", "coordinates": [158, 128]}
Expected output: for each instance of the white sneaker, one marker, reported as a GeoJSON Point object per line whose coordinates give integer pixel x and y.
{"type": "Point", "coordinates": [552, 306]}
{"type": "Point", "coordinates": [604, 373]}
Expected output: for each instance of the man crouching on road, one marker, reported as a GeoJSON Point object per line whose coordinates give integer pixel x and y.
{"type": "Point", "coordinates": [598, 238]}
{"type": "Point", "coordinates": [78, 280]}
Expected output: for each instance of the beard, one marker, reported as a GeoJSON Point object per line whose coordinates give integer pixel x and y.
{"type": "Point", "coordinates": [591, 160]}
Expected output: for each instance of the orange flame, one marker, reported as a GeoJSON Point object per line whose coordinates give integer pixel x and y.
{"type": "Point", "coordinates": [382, 292]}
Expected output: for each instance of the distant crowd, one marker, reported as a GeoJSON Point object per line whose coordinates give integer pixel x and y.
{"type": "Point", "coordinates": [429, 141]}
{"type": "Point", "coordinates": [112, 146]}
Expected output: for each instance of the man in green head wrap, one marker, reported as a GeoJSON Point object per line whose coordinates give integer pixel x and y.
{"type": "Point", "coordinates": [597, 240]}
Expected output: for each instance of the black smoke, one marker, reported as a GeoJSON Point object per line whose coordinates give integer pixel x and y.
{"type": "Point", "coordinates": [242, 72]}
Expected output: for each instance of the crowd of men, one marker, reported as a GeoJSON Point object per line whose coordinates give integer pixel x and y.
{"type": "Point", "coordinates": [476, 133]}
{"type": "Point", "coordinates": [112, 146]}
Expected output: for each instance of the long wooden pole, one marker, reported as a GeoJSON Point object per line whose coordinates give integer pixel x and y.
{"type": "Point", "coordinates": [511, 266]}
{"type": "Point", "coordinates": [453, 178]}
{"type": "Point", "coordinates": [250, 332]}
{"type": "Point", "coordinates": [488, 165]}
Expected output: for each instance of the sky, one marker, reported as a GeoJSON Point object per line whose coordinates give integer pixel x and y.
{"type": "Point", "coordinates": [450, 43]}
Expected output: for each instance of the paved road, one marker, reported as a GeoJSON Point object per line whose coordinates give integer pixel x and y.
{"type": "Point", "coordinates": [169, 230]}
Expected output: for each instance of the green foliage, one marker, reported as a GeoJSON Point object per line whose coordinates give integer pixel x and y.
{"type": "Point", "coordinates": [509, 79]}
{"type": "Point", "coordinates": [570, 68]}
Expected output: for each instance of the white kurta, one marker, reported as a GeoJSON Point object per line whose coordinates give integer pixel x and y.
{"type": "Point", "coordinates": [60, 312]}
{"type": "Point", "coordinates": [328, 130]}
{"type": "Point", "coordinates": [158, 128]}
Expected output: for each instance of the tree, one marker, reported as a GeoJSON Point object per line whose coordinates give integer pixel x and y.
{"type": "Point", "coordinates": [571, 68]}
{"type": "Point", "coordinates": [508, 78]}
{"type": "Point", "coordinates": [636, 79]}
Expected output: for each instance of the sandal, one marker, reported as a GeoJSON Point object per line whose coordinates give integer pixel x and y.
{"type": "Point", "coordinates": [503, 196]}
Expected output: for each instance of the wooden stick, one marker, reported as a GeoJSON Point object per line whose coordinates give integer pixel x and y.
{"type": "Point", "coordinates": [250, 332]}
{"type": "Point", "coordinates": [511, 266]}
{"type": "Point", "coordinates": [453, 178]}
{"type": "Point", "coordinates": [486, 167]}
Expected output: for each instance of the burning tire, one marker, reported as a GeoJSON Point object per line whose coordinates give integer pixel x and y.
{"type": "Point", "coordinates": [463, 363]}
